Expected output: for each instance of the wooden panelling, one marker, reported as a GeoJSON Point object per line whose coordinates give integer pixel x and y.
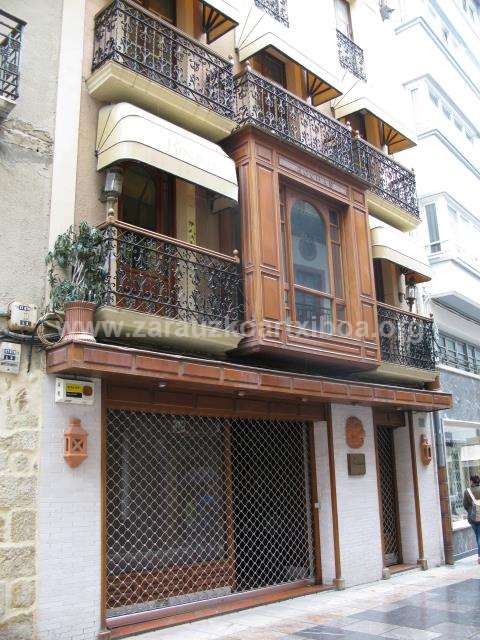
{"type": "Point", "coordinates": [268, 218]}
{"type": "Point", "coordinates": [271, 297]}
{"type": "Point", "coordinates": [369, 317]}
{"type": "Point", "coordinates": [212, 377]}
{"type": "Point", "coordinates": [363, 253]}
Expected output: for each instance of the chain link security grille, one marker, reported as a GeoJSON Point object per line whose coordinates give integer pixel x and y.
{"type": "Point", "coordinates": [388, 493]}
{"type": "Point", "coordinates": [200, 507]}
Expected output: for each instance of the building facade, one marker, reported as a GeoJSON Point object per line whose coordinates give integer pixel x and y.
{"type": "Point", "coordinates": [444, 89]}
{"type": "Point", "coordinates": [263, 371]}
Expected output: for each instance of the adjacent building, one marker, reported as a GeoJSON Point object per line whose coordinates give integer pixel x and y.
{"type": "Point", "coordinates": [263, 369]}
{"type": "Point", "coordinates": [444, 87]}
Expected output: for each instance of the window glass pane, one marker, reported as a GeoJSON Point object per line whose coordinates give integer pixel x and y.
{"type": "Point", "coordinates": [341, 319]}
{"type": "Point", "coordinates": [165, 8]}
{"type": "Point", "coordinates": [342, 13]}
{"type": "Point", "coordinates": [309, 247]}
{"type": "Point", "coordinates": [337, 270]}
{"type": "Point", "coordinates": [273, 69]}
{"type": "Point", "coordinates": [432, 223]}
{"type": "Point", "coordinates": [139, 198]}
{"type": "Point", "coordinates": [314, 312]}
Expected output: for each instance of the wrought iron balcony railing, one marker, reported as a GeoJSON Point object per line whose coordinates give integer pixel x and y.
{"type": "Point", "coordinates": [267, 105]}
{"type": "Point", "coordinates": [151, 47]}
{"type": "Point", "coordinates": [159, 275]}
{"type": "Point", "coordinates": [386, 177]}
{"type": "Point", "coordinates": [276, 8]}
{"type": "Point", "coordinates": [350, 56]}
{"type": "Point", "coordinates": [406, 338]}
{"type": "Point", "coordinates": [10, 45]}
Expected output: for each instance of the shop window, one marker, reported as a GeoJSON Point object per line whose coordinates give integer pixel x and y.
{"type": "Point", "coordinates": [463, 461]}
{"type": "Point", "coordinates": [313, 254]}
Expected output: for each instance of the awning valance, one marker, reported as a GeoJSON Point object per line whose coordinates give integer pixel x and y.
{"type": "Point", "coordinates": [321, 85]}
{"type": "Point", "coordinates": [126, 132]}
{"type": "Point", "coordinates": [219, 17]}
{"type": "Point", "coordinates": [399, 248]}
{"type": "Point", "coordinates": [395, 134]}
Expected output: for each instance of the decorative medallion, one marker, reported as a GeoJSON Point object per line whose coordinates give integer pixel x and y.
{"type": "Point", "coordinates": [354, 432]}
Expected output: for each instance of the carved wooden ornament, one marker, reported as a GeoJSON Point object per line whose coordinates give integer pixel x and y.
{"type": "Point", "coordinates": [75, 443]}
{"type": "Point", "coordinates": [425, 450]}
{"type": "Point", "coordinates": [354, 433]}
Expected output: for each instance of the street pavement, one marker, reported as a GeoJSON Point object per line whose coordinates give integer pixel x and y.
{"type": "Point", "coordinates": [442, 603]}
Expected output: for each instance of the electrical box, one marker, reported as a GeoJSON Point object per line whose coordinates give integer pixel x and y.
{"type": "Point", "coordinates": [10, 354]}
{"type": "Point", "coordinates": [23, 317]}
{"type": "Point", "coordinates": [74, 391]}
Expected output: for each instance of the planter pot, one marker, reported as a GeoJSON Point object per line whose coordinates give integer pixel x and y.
{"type": "Point", "coordinates": [79, 321]}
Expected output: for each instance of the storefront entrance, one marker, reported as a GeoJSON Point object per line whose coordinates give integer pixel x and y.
{"type": "Point", "coordinates": [388, 496]}
{"type": "Point", "coordinates": [202, 508]}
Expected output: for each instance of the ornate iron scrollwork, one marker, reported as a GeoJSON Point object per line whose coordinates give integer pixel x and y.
{"type": "Point", "coordinates": [350, 56]}
{"type": "Point", "coordinates": [10, 45]}
{"type": "Point", "coordinates": [276, 8]}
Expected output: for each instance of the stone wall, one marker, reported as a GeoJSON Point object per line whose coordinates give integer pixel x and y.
{"type": "Point", "coordinates": [19, 444]}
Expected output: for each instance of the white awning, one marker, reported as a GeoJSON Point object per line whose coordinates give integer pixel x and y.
{"type": "Point", "coordinates": [321, 83]}
{"type": "Point", "coordinates": [126, 132]}
{"type": "Point", "coordinates": [396, 134]}
{"type": "Point", "coordinates": [397, 247]}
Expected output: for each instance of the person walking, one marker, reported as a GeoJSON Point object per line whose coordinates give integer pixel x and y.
{"type": "Point", "coordinates": [471, 503]}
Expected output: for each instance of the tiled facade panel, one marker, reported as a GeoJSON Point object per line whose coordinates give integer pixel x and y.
{"type": "Point", "coordinates": [428, 494]}
{"type": "Point", "coordinates": [325, 502]}
{"type": "Point", "coordinates": [406, 502]}
{"type": "Point", "coordinates": [357, 496]}
{"type": "Point", "coordinates": [69, 528]}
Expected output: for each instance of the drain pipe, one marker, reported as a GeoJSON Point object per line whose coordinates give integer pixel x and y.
{"type": "Point", "coordinates": [443, 488]}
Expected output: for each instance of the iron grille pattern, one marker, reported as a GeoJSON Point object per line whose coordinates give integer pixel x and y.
{"type": "Point", "coordinates": [200, 507]}
{"type": "Point", "coordinates": [159, 275]}
{"type": "Point", "coordinates": [10, 45]}
{"type": "Point", "coordinates": [153, 48]}
{"type": "Point", "coordinates": [270, 107]}
{"type": "Point", "coordinates": [406, 339]}
{"type": "Point", "coordinates": [350, 56]}
{"type": "Point", "coordinates": [386, 463]}
{"type": "Point", "coordinates": [276, 8]}
{"type": "Point", "coordinates": [389, 179]}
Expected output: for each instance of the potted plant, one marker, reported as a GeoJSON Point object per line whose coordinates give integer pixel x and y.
{"type": "Point", "coordinates": [78, 277]}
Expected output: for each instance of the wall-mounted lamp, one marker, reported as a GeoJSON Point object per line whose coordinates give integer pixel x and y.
{"type": "Point", "coordinates": [410, 293]}
{"type": "Point", "coordinates": [113, 182]}
{"type": "Point", "coordinates": [75, 443]}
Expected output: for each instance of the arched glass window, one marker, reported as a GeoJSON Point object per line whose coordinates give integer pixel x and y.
{"type": "Point", "coordinates": [317, 293]}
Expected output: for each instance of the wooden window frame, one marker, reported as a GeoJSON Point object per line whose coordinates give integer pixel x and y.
{"type": "Point", "coordinates": [288, 197]}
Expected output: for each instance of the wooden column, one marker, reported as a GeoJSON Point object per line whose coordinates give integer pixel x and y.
{"type": "Point", "coordinates": [339, 582]}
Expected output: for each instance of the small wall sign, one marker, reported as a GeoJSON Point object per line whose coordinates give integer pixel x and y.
{"type": "Point", "coordinates": [354, 433]}
{"type": "Point", "coordinates": [356, 464]}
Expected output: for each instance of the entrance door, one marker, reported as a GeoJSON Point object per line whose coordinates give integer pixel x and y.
{"type": "Point", "coordinates": [200, 508]}
{"type": "Point", "coordinates": [388, 496]}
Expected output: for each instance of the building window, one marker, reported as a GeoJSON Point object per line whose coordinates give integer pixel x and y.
{"type": "Point", "coordinates": [166, 9]}
{"type": "Point", "coordinates": [432, 223]}
{"type": "Point", "coordinates": [459, 354]}
{"type": "Point", "coordinates": [463, 461]}
{"type": "Point", "coordinates": [272, 68]}
{"type": "Point", "coordinates": [316, 266]}
{"type": "Point", "coordinates": [343, 18]}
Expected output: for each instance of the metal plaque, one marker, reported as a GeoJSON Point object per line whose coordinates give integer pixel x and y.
{"type": "Point", "coordinates": [356, 464]}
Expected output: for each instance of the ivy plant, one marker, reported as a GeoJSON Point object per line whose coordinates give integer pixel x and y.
{"type": "Point", "coordinates": [77, 266]}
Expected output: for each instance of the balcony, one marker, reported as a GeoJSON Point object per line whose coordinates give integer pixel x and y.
{"type": "Point", "coordinates": [407, 345]}
{"type": "Point", "coordinates": [275, 8]}
{"type": "Point", "coordinates": [10, 45]}
{"type": "Point", "coordinates": [266, 105]}
{"type": "Point", "coordinates": [350, 56]}
{"type": "Point", "coordinates": [160, 289]}
{"type": "Point", "coordinates": [142, 59]}
{"type": "Point", "coordinates": [392, 195]}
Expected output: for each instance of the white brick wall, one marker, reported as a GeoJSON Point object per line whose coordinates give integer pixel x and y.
{"type": "Point", "coordinates": [357, 496]}
{"type": "Point", "coordinates": [324, 498]}
{"type": "Point", "coordinates": [69, 526]}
